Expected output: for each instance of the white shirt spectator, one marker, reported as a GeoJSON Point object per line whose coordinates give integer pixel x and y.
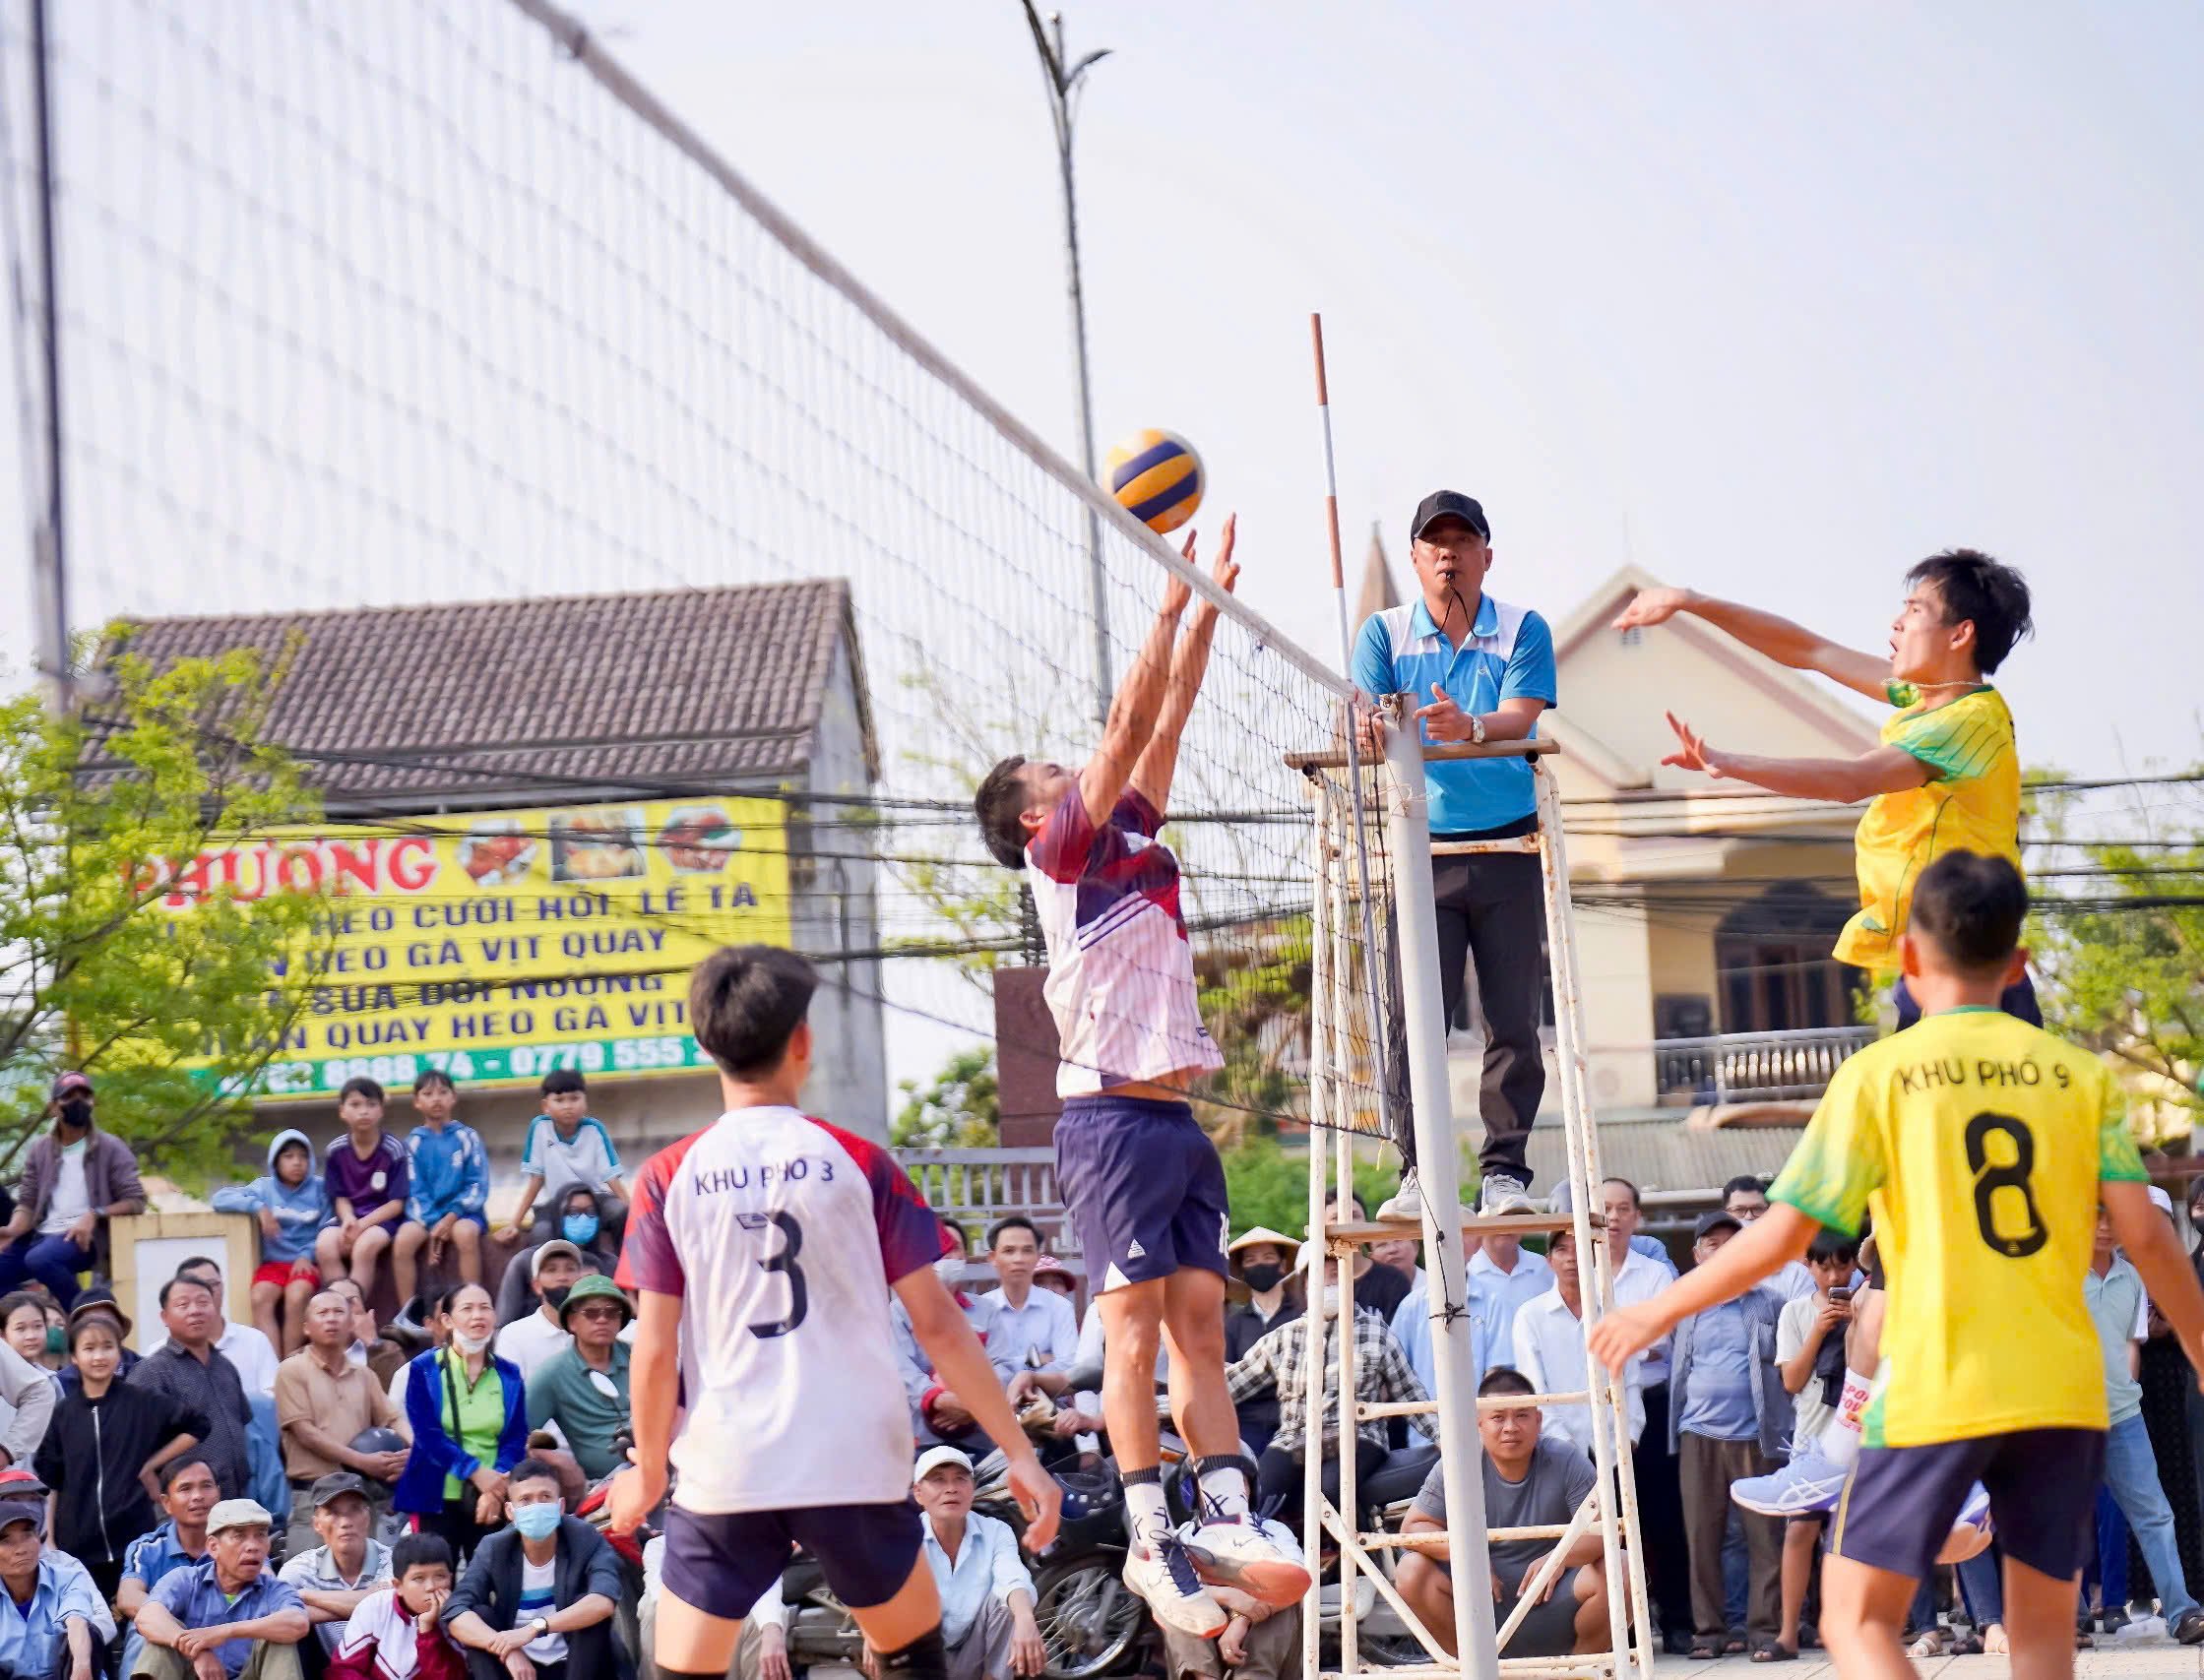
{"type": "Point", "coordinates": [1531, 1279]}
{"type": "Point", "coordinates": [530, 1341]}
{"type": "Point", "coordinates": [1040, 1336]}
{"type": "Point", "coordinates": [71, 1200]}
{"type": "Point", "coordinates": [1640, 1280]}
{"type": "Point", "coordinates": [1810, 1413]}
{"type": "Point", "coordinates": [1549, 1350]}
{"type": "Point", "coordinates": [986, 1565]}
{"type": "Point", "coordinates": [587, 1158]}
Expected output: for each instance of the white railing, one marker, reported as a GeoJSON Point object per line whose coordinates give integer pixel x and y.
{"type": "Point", "coordinates": [1733, 1066]}
{"type": "Point", "coordinates": [978, 1187]}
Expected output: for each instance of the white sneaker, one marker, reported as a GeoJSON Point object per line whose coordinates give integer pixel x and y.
{"type": "Point", "coordinates": [1970, 1534]}
{"type": "Point", "coordinates": [1405, 1203]}
{"type": "Point", "coordinates": [1163, 1574]}
{"type": "Point", "coordinates": [1505, 1194]}
{"type": "Point", "coordinates": [1239, 1553]}
{"type": "Point", "coordinates": [1807, 1485]}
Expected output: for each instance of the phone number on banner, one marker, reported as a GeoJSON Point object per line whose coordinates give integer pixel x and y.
{"type": "Point", "coordinates": [511, 1065]}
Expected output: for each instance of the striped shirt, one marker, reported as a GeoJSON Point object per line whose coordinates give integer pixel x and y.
{"type": "Point", "coordinates": [1120, 967]}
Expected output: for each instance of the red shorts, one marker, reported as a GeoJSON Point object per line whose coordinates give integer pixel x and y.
{"type": "Point", "coordinates": [277, 1273]}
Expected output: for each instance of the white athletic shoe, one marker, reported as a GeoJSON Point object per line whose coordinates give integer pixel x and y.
{"type": "Point", "coordinates": [1969, 1530]}
{"type": "Point", "coordinates": [1405, 1203]}
{"type": "Point", "coordinates": [1163, 1574]}
{"type": "Point", "coordinates": [1505, 1194]}
{"type": "Point", "coordinates": [1807, 1485]}
{"type": "Point", "coordinates": [1259, 1559]}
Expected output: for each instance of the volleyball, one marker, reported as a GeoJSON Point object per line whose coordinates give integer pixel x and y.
{"type": "Point", "coordinates": [1157, 477]}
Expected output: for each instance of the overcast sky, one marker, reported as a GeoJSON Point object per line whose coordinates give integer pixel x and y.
{"type": "Point", "coordinates": [1771, 301]}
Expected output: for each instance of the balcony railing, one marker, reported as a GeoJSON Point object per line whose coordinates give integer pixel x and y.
{"type": "Point", "coordinates": [1765, 1067]}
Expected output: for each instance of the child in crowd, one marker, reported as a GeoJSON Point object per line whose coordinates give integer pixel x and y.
{"type": "Point", "coordinates": [567, 1146]}
{"type": "Point", "coordinates": [451, 1182]}
{"type": "Point", "coordinates": [1810, 1353]}
{"type": "Point", "coordinates": [369, 1177]}
{"type": "Point", "coordinates": [291, 1202]}
{"type": "Point", "coordinates": [398, 1633]}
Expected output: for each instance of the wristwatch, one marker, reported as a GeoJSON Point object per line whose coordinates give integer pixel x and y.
{"type": "Point", "coordinates": [542, 1625]}
{"type": "Point", "coordinates": [1476, 728]}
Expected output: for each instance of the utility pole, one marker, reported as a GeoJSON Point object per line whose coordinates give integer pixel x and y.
{"type": "Point", "coordinates": [49, 571]}
{"type": "Point", "coordinates": [1064, 79]}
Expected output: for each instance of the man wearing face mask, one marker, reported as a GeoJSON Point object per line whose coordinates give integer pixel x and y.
{"type": "Point", "coordinates": [75, 1179]}
{"type": "Point", "coordinates": [937, 1415]}
{"type": "Point", "coordinates": [531, 1341]}
{"type": "Point", "coordinates": [1480, 671]}
{"type": "Point", "coordinates": [580, 1222]}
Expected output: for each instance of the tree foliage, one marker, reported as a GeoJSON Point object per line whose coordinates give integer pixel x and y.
{"type": "Point", "coordinates": [172, 1011]}
{"type": "Point", "coordinates": [959, 1108]}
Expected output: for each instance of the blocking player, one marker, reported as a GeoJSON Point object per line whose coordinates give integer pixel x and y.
{"type": "Point", "coordinates": [1983, 1146]}
{"type": "Point", "coordinates": [1140, 1179]}
{"type": "Point", "coordinates": [1947, 774]}
{"type": "Point", "coordinates": [765, 1248]}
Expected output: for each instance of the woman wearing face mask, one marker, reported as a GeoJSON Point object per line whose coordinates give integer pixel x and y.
{"type": "Point", "coordinates": [1258, 1260]}
{"type": "Point", "coordinates": [469, 1413]}
{"type": "Point", "coordinates": [581, 1221]}
{"type": "Point", "coordinates": [75, 1179]}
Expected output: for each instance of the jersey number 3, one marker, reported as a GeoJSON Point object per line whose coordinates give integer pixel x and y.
{"type": "Point", "coordinates": [799, 1299]}
{"type": "Point", "coordinates": [2014, 1175]}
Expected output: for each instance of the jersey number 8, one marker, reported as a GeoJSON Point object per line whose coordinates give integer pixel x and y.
{"type": "Point", "coordinates": [2013, 1175]}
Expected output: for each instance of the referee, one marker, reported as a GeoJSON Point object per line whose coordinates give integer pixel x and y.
{"type": "Point", "coordinates": [1485, 670]}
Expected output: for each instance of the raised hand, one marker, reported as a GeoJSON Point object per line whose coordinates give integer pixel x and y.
{"type": "Point", "coordinates": [1442, 719]}
{"type": "Point", "coordinates": [1652, 606]}
{"type": "Point", "coordinates": [1221, 566]}
{"type": "Point", "coordinates": [1692, 751]}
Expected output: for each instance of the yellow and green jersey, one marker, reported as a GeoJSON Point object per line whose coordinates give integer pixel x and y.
{"type": "Point", "coordinates": [1978, 1143]}
{"type": "Point", "coordinates": [1970, 803]}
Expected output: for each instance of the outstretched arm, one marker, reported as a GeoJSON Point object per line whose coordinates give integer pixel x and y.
{"type": "Point", "coordinates": [1764, 1248]}
{"type": "Point", "coordinates": [1138, 703]}
{"type": "Point", "coordinates": [1158, 761]}
{"type": "Point", "coordinates": [1886, 770]}
{"type": "Point", "coordinates": [1783, 641]}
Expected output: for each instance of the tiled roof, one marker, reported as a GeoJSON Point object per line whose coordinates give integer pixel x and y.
{"type": "Point", "coordinates": [465, 700]}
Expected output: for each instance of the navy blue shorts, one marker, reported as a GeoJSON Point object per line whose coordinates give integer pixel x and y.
{"type": "Point", "coordinates": [722, 1565]}
{"type": "Point", "coordinates": [1144, 1188]}
{"type": "Point", "coordinates": [1897, 1509]}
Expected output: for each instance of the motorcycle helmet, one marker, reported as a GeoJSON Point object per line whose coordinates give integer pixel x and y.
{"type": "Point", "coordinates": [378, 1440]}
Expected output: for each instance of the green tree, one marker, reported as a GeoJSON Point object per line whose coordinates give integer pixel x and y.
{"type": "Point", "coordinates": [173, 1007]}
{"type": "Point", "coordinates": [959, 1108]}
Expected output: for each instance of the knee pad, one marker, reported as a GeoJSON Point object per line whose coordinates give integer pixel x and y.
{"type": "Point", "coordinates": [923, 1658]}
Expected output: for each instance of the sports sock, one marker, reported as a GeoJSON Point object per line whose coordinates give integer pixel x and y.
{"type": "Point", "coordinates": [923, 1658]}
{"type": "Point", "coordinates": [1224, 1487]}
{"type": "Point", "coordinates": [1147, 1517]}
{"type": "Point", "coordinates": [1840, 1442]}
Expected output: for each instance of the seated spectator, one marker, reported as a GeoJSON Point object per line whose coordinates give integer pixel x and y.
{"type": "Point", "coordinates": [1550, 1349]}
{"type": "Point", "coordinates": [368, 1177]}
{"type": "Point", "coordinates": [451, 1182]}
{"type": "Point", "coordinates": [229, 1607]}
{"type": "Point", "coordinates": [1492, 1324]}
{"type": "Point", "coordinates": [98, 1301]}
{"type": "Point", "coordinates": [1728, 1413]}
{"type": "Point", "coordinates": [187, 1370]}
{"type": "Point", "coordinates": [61, 1624]}
{"type": "Point", "coordinates": [1033, 1334]}
{"type": "Point", "coordinates": [538, 1600]}
{"type": "Point", "coordinates": [189, 1493]}
{"type": "Point", "coordinates": [104, 1452]}
{"type": "Point", "coordinates": [1810, 1356]}
{"type": "Point", "coordinates": [398, 1632]}
{"type": "Point", "coordinates": [584, 1387]}
{"type": "Point", "coordinates": [382, 1354]}
{"type": "Point", "coordinates": [323, 1403]}
{"type": "Point", "coordinates": [1258, 1643]}
{"type": "Point", "coordinates": [529, 1343]}
{"type": "Point", "coordinates": [1053, 1274]}
{"type": "Point", "coordinates": [75, 1179]}
{"type": "Point", "coordinates": [242, 1345]}
{"type": "Point", "coordinates": [290, 1203]}
{"type": "Point", "coordinates": [1529, 1483]}
{"type": "Point", "coordinates": [468, 1412]}
{"type": "Point", "coordinates": [566, 1146]}
{"type": "Point", "coordinates": [1259, 1261]}
{"type": "Point", "coordinates": [336, 1576]}
{"type": "Point", "coordinates": [581, 1223]}
{"type": "Point", "coordinates": [937, 1415]}
{"type": "Point", "coordinates": [987, 1621]}
{"type": "Point", "coordinates": [1279, 1360]}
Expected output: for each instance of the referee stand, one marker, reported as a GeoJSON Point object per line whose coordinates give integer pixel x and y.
{"type": "Point", "coordinates": [1344, 1041]}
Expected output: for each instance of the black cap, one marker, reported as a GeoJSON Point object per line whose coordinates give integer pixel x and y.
{"type": "Point", "coordinates": [335, 1485]}
{"type": "Point", "coordinates": [1449, 504]}
{"type": "Point", "coordinates": [1715, 1219]}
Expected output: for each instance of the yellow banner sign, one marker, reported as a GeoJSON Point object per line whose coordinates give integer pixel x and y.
{"type": "Point", "coordinates": [501, 946]}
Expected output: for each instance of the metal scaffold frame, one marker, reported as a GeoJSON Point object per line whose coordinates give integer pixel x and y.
{"type": "Point", "coordinates": [1396, 786]}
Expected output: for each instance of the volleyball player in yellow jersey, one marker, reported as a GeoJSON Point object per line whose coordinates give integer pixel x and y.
{"type": "Point", "coordinates": [1984, 1146]}
{"type": "Point", "coordinates": [1947, 774]}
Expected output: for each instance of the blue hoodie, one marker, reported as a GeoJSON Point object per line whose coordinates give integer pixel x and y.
{"type": "Point", "coordinates": [302, 1211]}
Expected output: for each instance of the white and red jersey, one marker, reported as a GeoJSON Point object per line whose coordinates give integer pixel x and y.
{"type": "Point", "coordinates": [1120, 970]}
{"type": "Point", "coordinates": [782, 1235]}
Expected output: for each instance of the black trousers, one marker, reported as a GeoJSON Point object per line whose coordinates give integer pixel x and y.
{"type": "Point", "coordinates": [1279, 1476]}
{"type": "Point", "coordinates": [1492, 911]}
{"type": "Point", "coordinates": [456, 1526]}
{"type": "Point", "coordinates": [591, 1655]}
{"type": "Point", "coordinates": [1668, 1569]}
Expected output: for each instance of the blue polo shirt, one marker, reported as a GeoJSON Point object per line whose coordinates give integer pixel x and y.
{"type": "Point", "coordinates": [192, 1596]}
{"type": "Point", "coordinates": [1507, 655]}
{"type": "Point", "coordinates": [32, 1634]}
